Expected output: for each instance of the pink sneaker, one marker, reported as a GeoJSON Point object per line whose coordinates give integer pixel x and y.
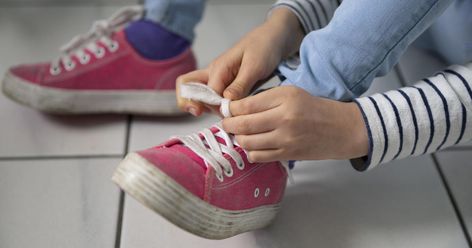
{"type": "Point", "coordinates": [204, 184]}
{"type": "Point", "coordinates": [100, 72]}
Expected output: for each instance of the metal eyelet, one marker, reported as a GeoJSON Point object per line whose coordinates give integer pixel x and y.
{"type": "Point", "coordinates": [219, 177]}
{"type": "Point", "coordinates": [240, 166]}
{"type": "Point", "coordinates": [100, 53]}
{"type": "Point", "coordinates": [113, 46]}
{"type": "Point", "coordinates": [55, 70]}
{"type": "Point", "coordinates": [256, 193]}
{"type": "Point", "coordinates": [84, 59]}
{"type": "Point", "coordinates": [267, 192]}
{"type": "Point", "coordinates": [229, 173]}
{"type": "Point", "coordinates": [70, 66]}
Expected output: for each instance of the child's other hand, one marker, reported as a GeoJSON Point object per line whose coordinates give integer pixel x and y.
{"type": "Point", "coordinates": [287, 123]}
{"type": "Point", "coordinates": [234, 73]}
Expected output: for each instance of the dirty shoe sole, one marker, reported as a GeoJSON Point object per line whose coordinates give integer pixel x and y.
{"type": "Point", "coordinates": [54, 100]}
{"type": "Point", "coordinates": [153, 188]}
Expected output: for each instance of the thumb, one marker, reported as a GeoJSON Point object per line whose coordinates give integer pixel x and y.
{"type": "Point", "coordinates": [195, 108]}
{"type": "Point", "coordinates": [248, 74]}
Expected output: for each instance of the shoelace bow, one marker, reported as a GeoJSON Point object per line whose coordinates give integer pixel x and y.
{"type": "Point", "coordinates": [100, 32]}
{"type": "Point", "coordinates": [207, 146]}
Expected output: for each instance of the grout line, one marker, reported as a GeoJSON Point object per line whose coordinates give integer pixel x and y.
{"type": "Point", "coordinates": [453, 201]}
{"type": "Point", "coordinates": [121, 200]}
{"type": "Point", "coordinates": [400, 75]}
{"type": "Point", "coordinates": [52, 157]}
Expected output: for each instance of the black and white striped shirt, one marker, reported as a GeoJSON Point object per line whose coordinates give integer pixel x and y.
{"type": "Point", "coordinates": [432, 115]}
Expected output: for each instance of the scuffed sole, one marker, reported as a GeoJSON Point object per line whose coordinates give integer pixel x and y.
{"type": "Point", "coordinates": [61, 101]}
{"type": "Point", "coordinates": [153, 188]}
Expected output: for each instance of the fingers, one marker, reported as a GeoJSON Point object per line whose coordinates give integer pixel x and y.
{"type": "Point", "coordinates": [251, 124]}
{"type": "Point", "coordinates": [224, 69]}
{"type": "Point", "coordinates": [249, 73]}
{"type": "Point", "coordinates": [195, 108]}
{"type": "Point", "coordinates": [260, 141]}
{"type": "Point", "coordinates": [263, 101]}
{"type": "Point", "coordinates": [262, 156]}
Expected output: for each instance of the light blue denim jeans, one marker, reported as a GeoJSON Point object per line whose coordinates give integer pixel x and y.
{"type": "Point", "coordinates": [366, 38]}
{"type": "Point", "coordinates": [179, 16]}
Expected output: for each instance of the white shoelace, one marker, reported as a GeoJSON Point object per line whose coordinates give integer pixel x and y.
{"type": "Point", "coordinates": [202, 93]}
{"type": "Point", "coordinates": [100, 32]}
{"type": "Point", "coordinates": [206, 146]}
{"type": "Point", "coordinates": [212, 152]}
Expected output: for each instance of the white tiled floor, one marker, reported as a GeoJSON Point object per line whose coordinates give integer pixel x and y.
{"type": "Point", "coordinates": [457, 167]}
{"type": "Point", "coordinates": [58, 203]}
{"type": "Point", "coordinates": [71, 202]}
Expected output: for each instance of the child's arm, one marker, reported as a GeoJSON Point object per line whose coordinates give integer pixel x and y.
{"type": "Point", "coordinates": [287, 123]}
{"type": "Point", "coordinates": [253, 58]}
{"type": "Point", "coordinates": [432, 115]}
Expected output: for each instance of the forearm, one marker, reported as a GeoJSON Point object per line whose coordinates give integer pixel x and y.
{"type": "Point", "coordinates": [286, 26]}
{"type": "Point", "coordinates": [432, 115]}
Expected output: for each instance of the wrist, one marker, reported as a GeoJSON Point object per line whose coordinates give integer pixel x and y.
{"type": "Point", "coordinates": [359, 136]}
{"type": "Point", "coordinates": [287, 28]}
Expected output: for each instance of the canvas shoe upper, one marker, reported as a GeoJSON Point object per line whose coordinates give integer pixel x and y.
{"type": "Point", "coordinates": [101, 72]}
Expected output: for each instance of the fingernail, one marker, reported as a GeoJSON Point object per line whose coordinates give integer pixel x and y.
{"type": "Point", "coordinates": [192, 111]}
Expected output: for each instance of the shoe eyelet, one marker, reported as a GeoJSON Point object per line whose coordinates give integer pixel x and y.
{"type": "Point", "coordinates": [219, 177]}
{"type": "Point", "coordinates": [70, 66]}
{"type": "Point", "coordinates": [229, 173]}
{"type": "Point", "coordinates": [267, 192]}
{"type": "Point", "coordinates": [240, 166]}
{"type": "Point", "coordinates": [113, 46]}
{"type": "Point", "coordinates": [85, 59]}
{"type": "Point", "coordinates": [55, 70]}
{"type": "Point", "coordinates": [256, 193]}
{"type": "Point", "coordinates": [100, 53]}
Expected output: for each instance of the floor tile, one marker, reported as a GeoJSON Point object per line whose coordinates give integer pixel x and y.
{"type": "Point", "coordinates": [417, 64]}
{"type": "Point", "coordinates": [331, 205]}
{"type": "Point", "coordinates": [58, 203]}
{"type": "Point", "coordinates": [390, 81]}
{"type": "Point", "coordinates": [34, 34]}
{"type": "Point", "coordinates": [457, 167]}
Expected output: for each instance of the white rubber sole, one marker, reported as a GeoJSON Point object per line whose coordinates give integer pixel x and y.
{"type": "Point", "coordinates": [145, 102]}
{"type": "Point", "coordinates": [153, 188]}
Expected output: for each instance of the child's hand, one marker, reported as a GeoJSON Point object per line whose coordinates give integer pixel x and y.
{"type": "Point", "coordinates": [234, 73]}
{"type": "Point", "coordinates": [287, 123]}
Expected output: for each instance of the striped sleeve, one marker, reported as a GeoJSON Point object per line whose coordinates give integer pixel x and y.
{"type": "Point", "coordinates": [432, 115]}
{"type": "Point", "coordinates": [312, 14]}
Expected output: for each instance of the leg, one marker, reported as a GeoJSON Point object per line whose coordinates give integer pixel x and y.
{"type": "Point", "coordinates": [178, 16]}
